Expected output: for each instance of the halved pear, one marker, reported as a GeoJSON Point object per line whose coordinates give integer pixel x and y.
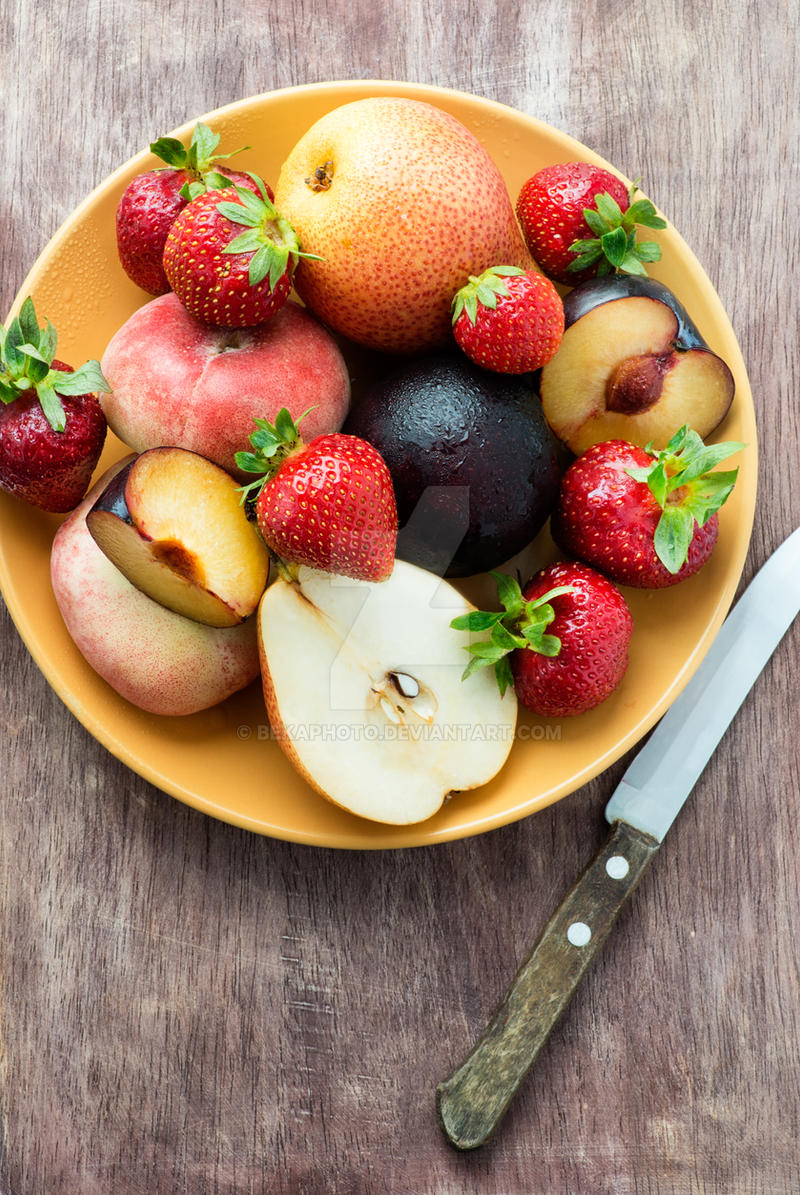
{"type": "Point", "coordinates": [172, 522]}
{"type": "Point", "coordinates": [363, 688]}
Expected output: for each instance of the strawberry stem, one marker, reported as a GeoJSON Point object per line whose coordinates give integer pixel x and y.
{"type": "Point", "coordinates": [26, 358]}
{"type": "Point", "coordinates": [269, 238]}
{"type": "Point", "coordinates": [681, 480]}
{"type": "Point", "coordinates": [484, 289]}
{"type": "Point", "coordinates": [521, 625]}
{"type": "Point", "coordinates": [614, 245]}
{"type": "Point", "coordinates": [273, 443]}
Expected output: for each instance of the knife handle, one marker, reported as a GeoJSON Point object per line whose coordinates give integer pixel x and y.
{"type": "Point", "coordinates": [471, 1102]}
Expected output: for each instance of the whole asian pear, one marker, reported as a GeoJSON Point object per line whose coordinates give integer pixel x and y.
{"type": "Point", "coordinates": [402, 203]}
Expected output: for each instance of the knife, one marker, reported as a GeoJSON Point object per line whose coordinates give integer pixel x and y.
{"type": "Point", "coordinates": [471, 1102]}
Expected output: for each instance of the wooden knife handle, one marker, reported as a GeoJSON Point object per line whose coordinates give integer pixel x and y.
{"type": "Point", "coordinates": [471, 1102]}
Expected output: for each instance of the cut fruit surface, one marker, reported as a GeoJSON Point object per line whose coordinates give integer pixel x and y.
{"type": "Point", "coordinates": [622, 373]}
{"type": "Point", "coordinates": [363, 688]}
{"type": "Point", "coordinates": [173, 524]}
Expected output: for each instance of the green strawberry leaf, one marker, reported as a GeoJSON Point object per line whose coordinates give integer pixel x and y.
{"type": "Point", "coordinates": [648, 251]}
{"type": "Point", "coordinates": [658, 482]}
{"type": "Point", "coordinates": [190, 191]}
{"type": "Point", "coordinates": [246, 242]}
{"type": "Point", "coordinates": [477, 620]}
{"type": "Point", "coordinates": [550, 646]}
{"type": "Point", "coordinates": [476, 664]}
{"type": "Point", "coordinates": [238, 214]}
{"type": "Point", "coordinates": [673, 537]}
{"type": "Point", "coordinates": [643, 212]}
{"type": "Point", "coordinates": [483, 289]}
{"type": "Point", "coordinates": [631, 264]}
{"type": "Point", "coordinates": [202, 146]}
{"type": "Point", "coordinates": [29, 325]}
{"type": "Point", "coordinates": [266, 441]}
{"type": "Point", "coordinates": [503, 674]}
{"type": "Point", "coordinates": [687, 490]}
{"type": "Point", "coordinates": [487, 295]}
{"type": "Point", "coordinates": [608, 208]}
{"type": "Point", "coordinates": [486, 650]}
{"type": "Point", "coordinates": [509, 593]}
{"type": "Point", "coordinates": [171, 151]}
{"type": "Point", "coordinates": [14, 359]}
{"type": "Point", "coordinates": [286, 427]}
{"type": "Point", "coordinates": [48, 339]}
{"type": "Point", "coordinates": [86, 379]}
{"type": "Point", "coordinates": [595, 221]}
{"type": "Point", "coordinates": [248, 462]}
{"type": "Point", "coordinates": [707, 457]}
{"type": "Point", "coordinates": [503, 638]}
{"type": "Point", "coordinates": [52, 408]}
{"type": "Point", "coordinates": [465, 300]}
{"type": "Point", "coordinates": [260, 205]}
{"type": "Point", "coordinates": [7, 393]}
{"type": "Point", "coordinates": [590, 246]}
{"type": "Point", "coordinates": [273, 442]}
{"type": "Point", "coordinates": [267, 260]}
{"type": "Point", "coordinates": [521, 626]}
{"type": "Point", "coordinates": [615, 246]}
{"type": "Point", "coordinates": [214, 181]}
{"type": "Point", "coordinates": [36, 366]}
{"type": "Point", "coordinates": [586, 259]}
{"type": "Point", "coordinates": [707, 496]}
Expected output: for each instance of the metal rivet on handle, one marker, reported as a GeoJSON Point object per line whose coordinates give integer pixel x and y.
{"type": "Point", "coordinates": [617, 867]}
{"type": "Point", "coordinates": [579, 933]}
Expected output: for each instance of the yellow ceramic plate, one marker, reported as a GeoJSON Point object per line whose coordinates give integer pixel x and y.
{"type": "Point", "coordinates": [221, 761]}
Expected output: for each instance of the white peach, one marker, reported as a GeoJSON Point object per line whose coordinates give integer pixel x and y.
{"type": "Point", "coordinates": [161, 661]}
{"type": "Point", "coordinates": [181, 383]}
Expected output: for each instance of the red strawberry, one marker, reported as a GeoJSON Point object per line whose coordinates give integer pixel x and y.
{"type": "Point", "coordinates": [580, 221]}
{"type": "Point", "coordinates": [328, 504]}
{"type": "Point", "coordinates": [225, 276]}
{"type": "Point", "coordinates": [644, 518]}
{"type": "Point", "coordinates": [152, 201]}
{"type": "Point", "coordinates": [509, 320]}
{"type": "Point", "coordinates": [562, 641]}
{"type": "Point", "coordinates": [52, 427]}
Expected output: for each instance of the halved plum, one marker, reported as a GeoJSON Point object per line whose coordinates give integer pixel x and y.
{"type": "Point", "coordinates": [632, 366]}
{"type": "Point", "coordinates": [172, 522]}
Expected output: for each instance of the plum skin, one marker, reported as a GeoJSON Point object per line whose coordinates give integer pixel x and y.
{"type": "Point", "coordinates": [597, 291]}
{"type": "Point", "coordinates": [474, 465]}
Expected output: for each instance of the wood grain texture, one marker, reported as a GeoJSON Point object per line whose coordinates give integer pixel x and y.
{"type": "Point", "coordinates": [189, 1008]}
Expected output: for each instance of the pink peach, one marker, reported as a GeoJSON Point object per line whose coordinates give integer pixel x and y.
{"type": "Point", "coordinates": [178, 382]}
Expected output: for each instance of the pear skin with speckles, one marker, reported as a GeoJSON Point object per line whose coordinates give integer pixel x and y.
{"type": "Point", "coordinates": [402, 203]}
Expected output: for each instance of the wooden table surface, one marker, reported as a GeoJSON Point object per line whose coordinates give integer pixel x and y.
{"type": "Point", "coordinates": [187, 1007]}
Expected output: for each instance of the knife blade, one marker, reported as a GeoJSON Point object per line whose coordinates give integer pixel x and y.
{"type": "Point", "coordinates": [473, 1099]}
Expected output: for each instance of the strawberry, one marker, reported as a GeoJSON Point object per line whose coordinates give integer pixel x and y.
{"type": "Point", "coordinates": [509, 320]}
{"type": "Point", "coordinates": [151, 202]}
{"type": "Point", "coordinates": [225, 276]}
{"type": "Point", "coordinates": [644, 518]}
{"type": "Point", "coordinates": [328, 504]}
{"type": "Point", "coordinates": [580, 221]}
{"type": "Point", "coordinates": [52, 427]}
{"type": "Point", "coordinates": [562, 641]}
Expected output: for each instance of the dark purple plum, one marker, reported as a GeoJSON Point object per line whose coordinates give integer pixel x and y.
{"type": "Point", "coordinates": [474, 465]}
